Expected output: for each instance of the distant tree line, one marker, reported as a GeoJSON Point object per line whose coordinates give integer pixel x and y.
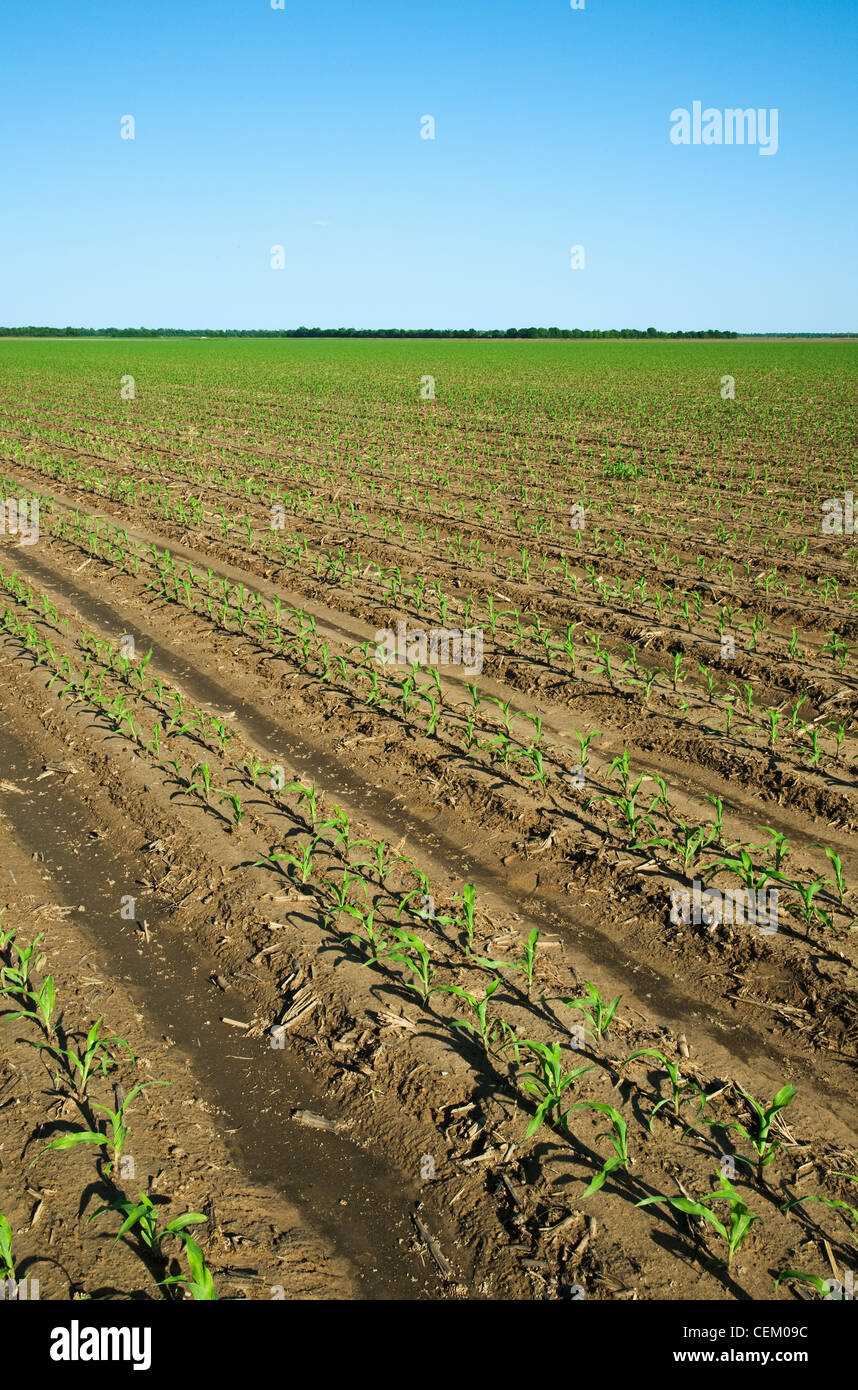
{"type": "Point", "coordinates": [32, 332]}
{"type": "Point", "coordinates": [798, 335]}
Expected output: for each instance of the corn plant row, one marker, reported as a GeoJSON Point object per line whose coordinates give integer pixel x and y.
{"type": "Point", "coordinates": [79, 1061]}
{"type": "Point", "coordinates": [383, 944]}
{"type": "Point", "coordinates": [192, 511]}
{"type": "Point", "coordinates": [685, 843]}
{"type": "Point", "coordinates": [252, 611]}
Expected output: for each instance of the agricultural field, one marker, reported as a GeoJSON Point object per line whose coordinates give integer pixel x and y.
{"type": "Point", "coordinates": [428, 819]}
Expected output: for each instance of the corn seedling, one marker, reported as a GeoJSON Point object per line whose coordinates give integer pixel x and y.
{"type": "Point", "coordinates": [254, 768]}
{"type": "Point", "coordinates": [685, 849]}
{"type": "Point", "coordinates": [339, 894]}
{"type": "Point", "coordinates": [379, 862]}
{"type": "Point", "coordinates": [550, 1083]}
{"type": "Point", "coordinates": [632, 817]}
{"type": "Point", "coordinates": [806, 894]}
{"type": "Point", "coordinates": [142, 1217]}
{"type": "Point", "coordinates": [238, 812]}
{"type": "Point", "coordinates": [372, 940]}
{"type": "Point", "coordinates": [222, 734]}
{"type": "Point", "coordinates": [7, 1264]}
{"type": "Point", "coordinates": [528, 959]}
{"type": "Point", "coordinates": [201, 1284]}
{"type": "Point", "coordinates": [339, 823]}
{"type": "Point", "coordinates": [597, 1011]}
{"type": "Point", "coordinates": [44, 1001]}
{"type": "Point", "coordinates": [836, 864]}
{"type": "Point", "coordinates": [621, 769]}
{"type": "Point", "coordinates": [743, 868]}
{"type": "Point", "coordinates": [538, 774]}
{"type": "Point", "coordinates": [421, 893]}
{"type": "Point", "coordinates": [115, 1142]}
{"type": "Point", "coordinates": [838, 649]}
{"type": "Point", "coordinates": [682, 1092]}
{"type": "Point", "coordinates": [467, 920]}
{"type": "Point", "coordinates": [835, 1204]}
{"type": "Point", "coordinates": [204, 785]}
{"type": "Point", "coordinates": [738, 1225]}
{"type": "Point", "coordinates": [759, 1136]}
{"type": "Point", "coordinates": [96, 1056]}
{"type": "Point", "coordinates": [619, 1137]}
{"type": "Point", "coordinates": [415, 956]}
{"type": "Point", "coordinates": [814, 742]}
{"type": "Point", "coordinates": [823, 1286]}
{"type": "Point", "coordinates": [777, 847]}
{"type": "Point", "coordinates": [494, 1034]}
{"type": "Point", "coordinates": [17, 977]}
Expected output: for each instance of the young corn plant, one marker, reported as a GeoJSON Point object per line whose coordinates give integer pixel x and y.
{"type": "Point", "coordinates": [421, 893]}
{"type": "Point", "coordinates": [807, 892]}
{"type": "Point", "coordinates": [309, 795]}
{"type": "Point", "coordinates": [777, 847]}
{"type": "Point", "coordinates": [204, 785]}
{"type": "Point", "coordinates": [43, 1000]}
{"type": "Point", "coordinates": [466, 921]}
{"type": "Point", "coordinates": [115, 1142]}
{"type": "Point", "coordinates": [142, 1218]}
{"type": "Point", "coordinates": [620, 769]}
{"type": "Point", "coordinates": [765, 1145]}
{"type": "Point", "coordinates": [254, 768]}
{"type": "Point", "coordinates": [682, 1092]}
{"type": "Point", "coordinates": [372, 941]}
{"type": "Point", "coordinates": [737, 1226]}
{"type": "Point", "coordinates": [646, 682]}
{"type": "Point", "coordinates": [379, 861]}
{"type": "Point", "coordinates": [743, 867]}
{"type": "Point", "coordinates": [835, 1204]}
{"type": "Point", "coordinates": [584, 742]}
{"type": "Point", "coordinates": [632, 817]}
{"type": "Point", "coordinates": [234, 800]}
{"type": "Point", "coordinates": [494, 1034]}
{"type": "Point", "coordinates": [415, 956]}
{"type": "Point", "coordinates": [838, 649]}
{"type": "Point", "coordinates": [7, 1263]}
{"type": "Point", "coordinates": [685, 849]}
{"type": "Point", "coordinates": [774, 717]}
{"type": "Point", "coordinates": [619, 1137]}
{"type": "Point", "coordinates": [16, 978]}
{"type": "Point", "coordinates": [598, 1012]}
{"type": "Point", "coordinates": [550, 1084]}
{"type": "Point", "coordinates": [339, 823]}
{"type": "Point", "coordinates": [813, 735]}
{"type": "Point", "coordinates": [435, 711]}
{"type": "Point", "coordinates": [339, 895]}
{"type": "Point", "coordinates": [535, 757]}
{"type": "Point", "coordinates": [528, 959]}
{"type": "Point", "coordinates": [717, 835]}
{"type": "Point", "coordinates": [300, 861]}
{"type": "Point", "coordinates": [836, 864]}
{"type": "Point", "coordinates": [201, 1283]}
{"type": "Point", "coordinates": [95, 1057]}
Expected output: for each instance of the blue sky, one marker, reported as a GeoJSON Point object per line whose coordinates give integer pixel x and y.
{"type": "Point", "coordinates": [300, 127]}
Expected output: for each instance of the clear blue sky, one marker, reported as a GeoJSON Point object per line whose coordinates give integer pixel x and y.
{"type": "Point", "coordinates": [301, 127]}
